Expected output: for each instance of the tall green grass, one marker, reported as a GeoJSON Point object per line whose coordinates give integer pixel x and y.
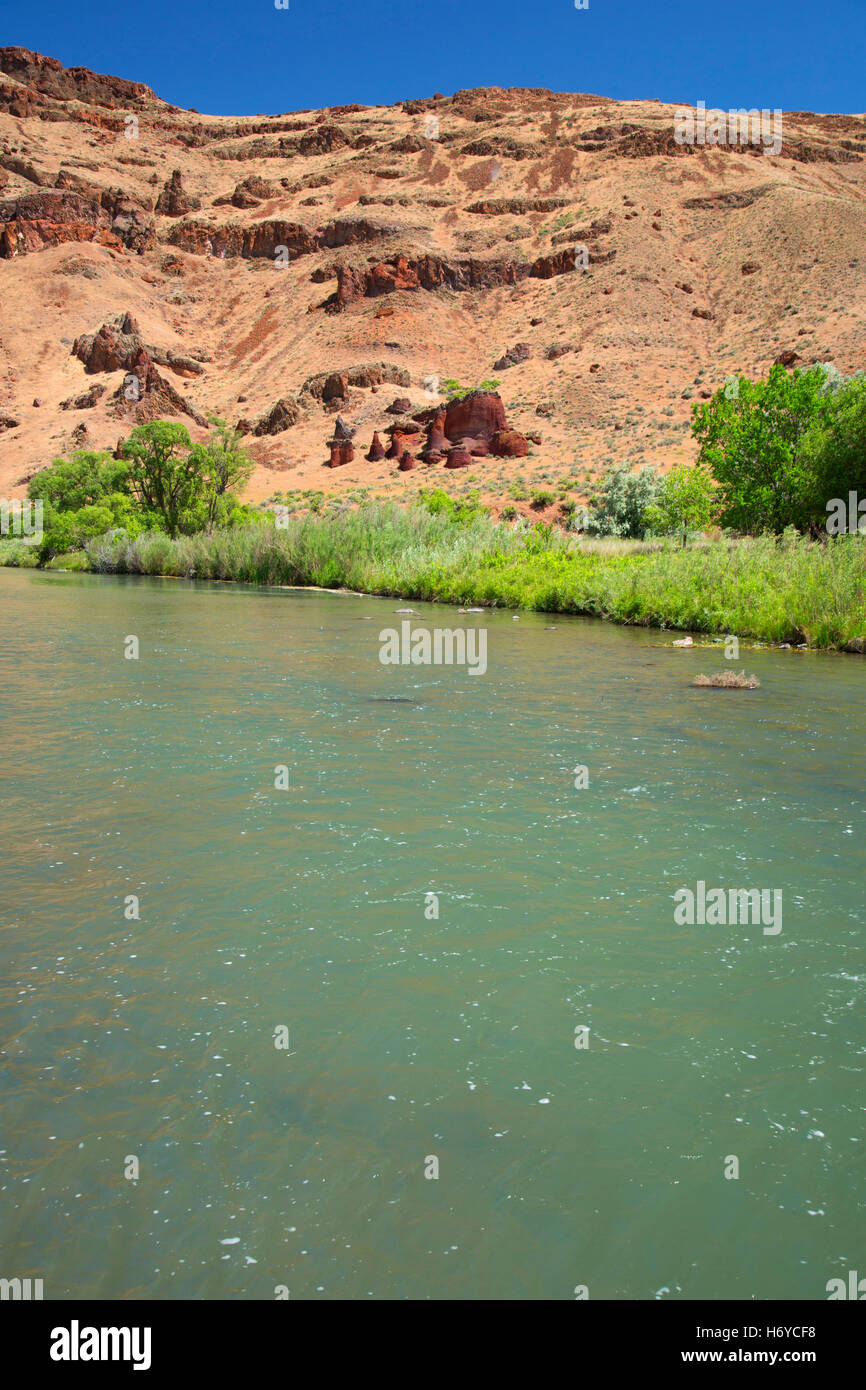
{"type": "Point", "coordinates": [786, 589]}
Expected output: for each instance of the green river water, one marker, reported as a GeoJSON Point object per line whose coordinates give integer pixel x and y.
{"type": "Point", "coordinates": [411, 1036]}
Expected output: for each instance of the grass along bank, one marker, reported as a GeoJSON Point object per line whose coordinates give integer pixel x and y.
{"type": "Point", "coordinates": [785, 589]}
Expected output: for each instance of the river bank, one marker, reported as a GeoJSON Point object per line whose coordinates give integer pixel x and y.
{"type": "Point", "coordinates": [786, 590]}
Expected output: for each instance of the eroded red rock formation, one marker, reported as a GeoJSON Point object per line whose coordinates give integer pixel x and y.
{"type": "Point", "coordinates": [341, 452]}
{"type": "Point", "coordinates": [37, 220]}
{"type": "Point", "coordinates": [437, 442]}
{"type": "Point", "coordinates": [407, 462]}
{"type": "Point", "coordinates": [341, 447]}
{"type": "Point", "coordinates": [476, 416]}
{"type": "Point", "coordinates": [377, 449]}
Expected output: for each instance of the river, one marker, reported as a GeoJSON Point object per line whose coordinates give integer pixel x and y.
{"type": "Point", "coordinates": [421, 1023]}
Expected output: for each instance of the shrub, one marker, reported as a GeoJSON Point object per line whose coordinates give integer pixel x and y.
{"type": "Point", "coordinates": [453, 391]}
{"type": "Point", "coordinates": [542, 497]}
{"type": "Point", "coordinates": [621, 506]}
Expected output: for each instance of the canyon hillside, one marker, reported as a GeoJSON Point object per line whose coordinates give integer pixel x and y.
{"type": "Point", "coordinates": [317, 275]}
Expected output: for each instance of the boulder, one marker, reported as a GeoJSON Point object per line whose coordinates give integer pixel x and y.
{"type": "Point", "coordinates": [509, 444]}
{"type": "Point", "coordinates": [458, 458]}
{"type": "Point", "coordinates": [407, 462]}
{"type": "Point", "coordinates": [401, 406]}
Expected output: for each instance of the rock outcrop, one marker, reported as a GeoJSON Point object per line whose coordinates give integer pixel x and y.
{"type": "Point", "coordinates": [281, 416]}
{"type": "Point", "coordinates": [50, 77]}
{"type": "Point", "coordinates": [249, 193]}
{"type": "Point", "coordinates": [261, 239]}
{"type": "Point", "coordinates": [367, 375]}
{"type": "Point", "coordinates": [145, 395]}
{"type": "Point", "coordinates": [174, 201]}
{"type": "Point", "coordinates": [37, 220]}
{"type": "Point", "coordinates": [113, 348]}
{"type": "Point", "coordinates": [86, 400]}
{"type": "Point", "coordinates": [521, 352]}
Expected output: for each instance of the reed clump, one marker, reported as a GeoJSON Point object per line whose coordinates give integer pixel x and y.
{"type": "Point", "coordinates": [728, 680]}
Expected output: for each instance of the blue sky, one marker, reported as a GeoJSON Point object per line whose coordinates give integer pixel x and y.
{"type": "Point", "coordinates": [244, 57]}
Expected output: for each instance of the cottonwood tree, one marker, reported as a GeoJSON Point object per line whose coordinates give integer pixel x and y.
{"type": "Point", "coordinates": [758, 442]}
{"type": "Point", "coordinates": [686, 502]}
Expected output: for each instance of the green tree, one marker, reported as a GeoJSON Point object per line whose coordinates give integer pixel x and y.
{"type": "Point", "coordinates": [685, 502]}
{"type": "Point", "coordinates": [82, 481]}
{"type": "Point", "coordinates": [837, 451]}
{"type": "Point", "coordinates": [224, 468]}
{"type": "Point", "coordinates": [757, 438]}
{"type": "Point", "coordinates": [164, 474]}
